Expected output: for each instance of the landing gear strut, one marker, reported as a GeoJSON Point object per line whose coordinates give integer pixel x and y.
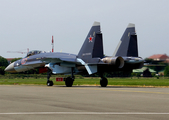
{"type": "Point", "coordinates": [49, 82]}
{"type": "Point", "coordinates": [69, 80]}
{"type": "Point", "coordinates": [103, 82]}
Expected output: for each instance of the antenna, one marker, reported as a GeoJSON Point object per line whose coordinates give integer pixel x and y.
{"type": "Point", "coordinates": [52, 44]}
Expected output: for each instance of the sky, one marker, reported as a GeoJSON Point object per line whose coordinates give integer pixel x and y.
{"type": "Point", "coordinates": [31, 23]}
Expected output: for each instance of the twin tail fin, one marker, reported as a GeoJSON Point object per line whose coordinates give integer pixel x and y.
{"type": "Point", "coordinates": [93, 44]}
{"type": "Point", "coordinates": [127, 46]}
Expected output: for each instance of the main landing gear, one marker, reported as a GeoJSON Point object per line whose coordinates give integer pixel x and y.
{"type": "Point", "coordinates": [49, 82]}
{"type": "Point", "coordinates": [69, 80]}
{"type": "Point", "coordinates": [103, 82]}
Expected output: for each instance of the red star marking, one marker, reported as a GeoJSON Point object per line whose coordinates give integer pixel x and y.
{"type": "Point", "coordinates": [90, 38]}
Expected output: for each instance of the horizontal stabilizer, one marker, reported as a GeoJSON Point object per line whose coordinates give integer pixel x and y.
{"type": "Point", "coordinates": [91, 68]}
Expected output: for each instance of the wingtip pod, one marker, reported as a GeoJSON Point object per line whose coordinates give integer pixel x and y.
{"type": "Point", "coordinates": [130, 25]}
{"type": "Point", "coordinates": [96, 23]}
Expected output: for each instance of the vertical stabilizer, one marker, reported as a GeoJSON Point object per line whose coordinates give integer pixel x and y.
{"type": "Point", "coordinates": [93, 44]}
{"type": "Point", "coordinates": [128, 43]}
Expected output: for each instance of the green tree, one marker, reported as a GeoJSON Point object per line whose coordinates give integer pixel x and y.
{"type": "Point", "coordinates": [166, 71]}
{"type": "Point", "coordinates": [3, 65]}
{"type": "Point", "coordinates": [3, 61]}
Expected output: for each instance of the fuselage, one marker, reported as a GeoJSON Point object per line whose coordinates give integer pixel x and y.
{"type": "Point", "coordinates": [61, 63]}
{"type": "Point", "coordinates": [38, 60]}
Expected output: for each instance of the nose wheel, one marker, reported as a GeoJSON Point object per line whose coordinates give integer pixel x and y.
{"type": "Point", "coordinates": [49, 82]}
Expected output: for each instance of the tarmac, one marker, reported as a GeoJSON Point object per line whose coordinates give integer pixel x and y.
{"type": "Point", "coordinates": [24, 102]}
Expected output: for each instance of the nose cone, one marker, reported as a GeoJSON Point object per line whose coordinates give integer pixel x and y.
{"type": "Point", "coordinates": [10, 68]}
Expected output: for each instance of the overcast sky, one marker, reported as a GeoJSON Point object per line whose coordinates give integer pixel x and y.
{"type": "Point", "coordinates": [31, 24]}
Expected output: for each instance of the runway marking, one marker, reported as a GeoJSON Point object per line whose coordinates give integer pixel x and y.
{"type": "Point", "coordinates": [85, 113]}
{"type": "Point", "coordinates": [123, 90]}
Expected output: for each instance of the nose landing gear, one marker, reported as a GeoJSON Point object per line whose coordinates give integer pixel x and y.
{"type": "Point", "coordinates": [49, 82]}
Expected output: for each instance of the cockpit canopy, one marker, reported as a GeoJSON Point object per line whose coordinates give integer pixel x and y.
{"type": "Point", "coordinates": [33, 52]}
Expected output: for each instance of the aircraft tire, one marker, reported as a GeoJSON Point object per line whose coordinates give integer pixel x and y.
{"type": "Point", "coordinates": [50, 83]}
{"type": "Point", "coordinates": [69, 82]}
{"type": "Point", "coordinates": [103, 82]}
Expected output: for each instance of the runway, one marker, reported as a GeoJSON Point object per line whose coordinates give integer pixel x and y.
{"type": "Point", "coordinates": [83, 103]}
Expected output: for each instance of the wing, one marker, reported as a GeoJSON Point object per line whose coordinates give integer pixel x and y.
{"type": "Point", "coordinates": [59, 58]}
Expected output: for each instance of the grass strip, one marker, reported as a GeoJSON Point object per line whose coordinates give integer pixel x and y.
{"type": "Point", "coordinates": [91, 81]}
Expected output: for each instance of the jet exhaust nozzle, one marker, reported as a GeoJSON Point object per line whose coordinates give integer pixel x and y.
{"type": "Point", "coordinates": [117, 61]}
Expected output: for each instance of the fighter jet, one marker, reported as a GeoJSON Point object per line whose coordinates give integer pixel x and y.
{"type": "Point", "coordinates": [90, 59]}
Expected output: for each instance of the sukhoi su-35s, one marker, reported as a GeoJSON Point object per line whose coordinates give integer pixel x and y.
{"type": "Point", "coordinates": [89, 60]}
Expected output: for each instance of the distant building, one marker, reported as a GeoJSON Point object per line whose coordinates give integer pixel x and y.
{"type": "Point", "coordinates": [160, 57]}
{"type": "Point", "coordinates": [9, 59]}
{"type": "Point", "coordinates": [159, 63]}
